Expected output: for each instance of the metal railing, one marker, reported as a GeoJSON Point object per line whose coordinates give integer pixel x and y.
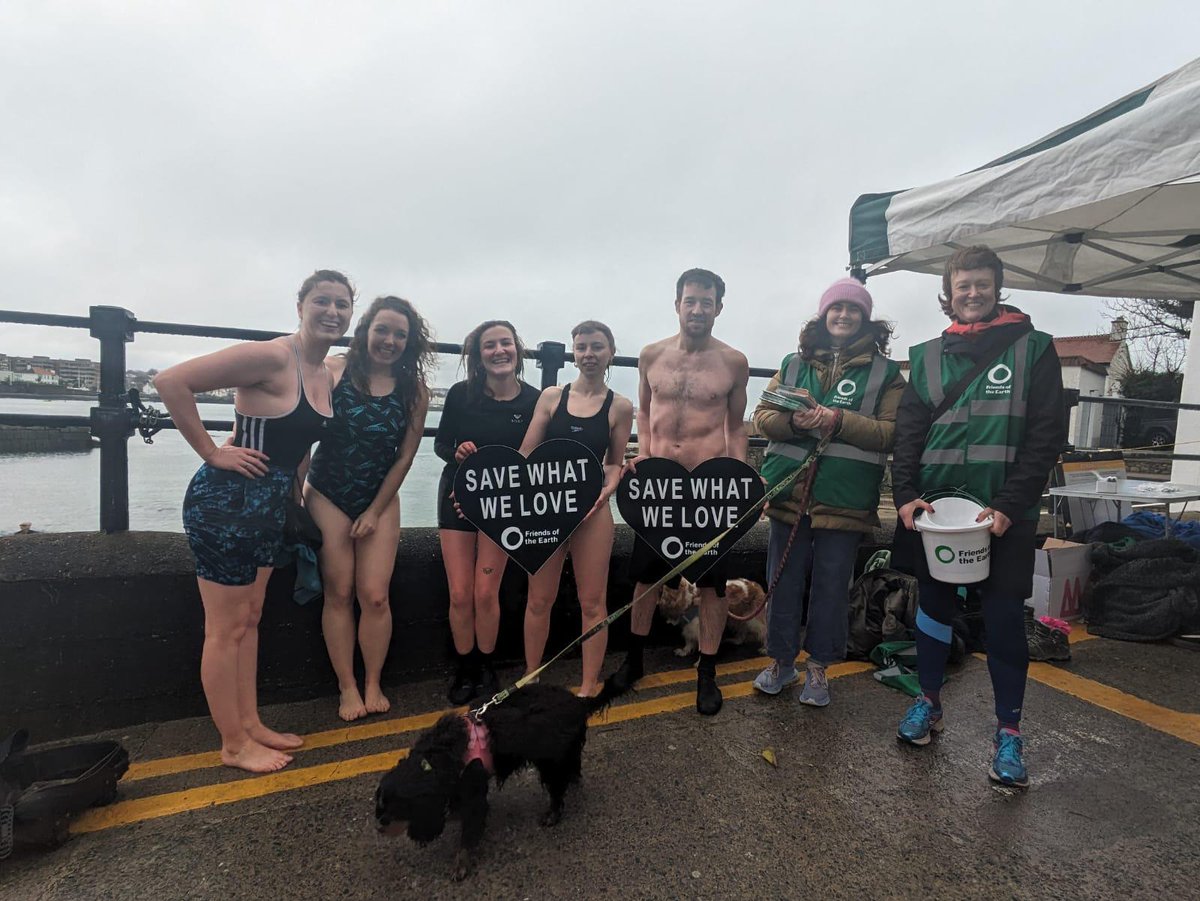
{"type": "Point", "coordinates": [113, 420]}
{"type": "Point", "coordinates": [1122, 403]}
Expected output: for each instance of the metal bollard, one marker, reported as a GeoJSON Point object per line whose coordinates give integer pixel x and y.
{"type": "Point", "coordinates": [550, 358]}
{"type": "Point", "coordinates": [112, 421]}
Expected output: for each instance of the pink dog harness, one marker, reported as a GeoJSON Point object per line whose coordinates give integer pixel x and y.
{"type": "Point", "coordinates": [479, 745]}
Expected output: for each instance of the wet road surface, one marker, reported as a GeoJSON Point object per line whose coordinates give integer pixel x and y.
{"type": "Point", "coordinates": [673, 805]}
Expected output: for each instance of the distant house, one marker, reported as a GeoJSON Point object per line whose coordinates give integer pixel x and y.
{"type": "Point", "coordinates": [1095, 365]}
{"type": "Point", "coordinates": [32, 375]}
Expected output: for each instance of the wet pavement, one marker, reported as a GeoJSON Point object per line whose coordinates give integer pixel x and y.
{"type": "Point", "coordinates": [673, 805]}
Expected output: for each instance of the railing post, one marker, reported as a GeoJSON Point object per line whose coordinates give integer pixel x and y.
{"type": "Point", "coordinates": [550, 361]}
{"type": "Point", "coordinates": [111, 419]}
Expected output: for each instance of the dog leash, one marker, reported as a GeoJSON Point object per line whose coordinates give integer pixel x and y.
{"type": "Point", "coordinates": [501, 696]}
{"type": "Point", "coordinates": [787, 548]}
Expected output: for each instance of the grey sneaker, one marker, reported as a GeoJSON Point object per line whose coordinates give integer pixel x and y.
{"type": "Point", "coordinates": [775, 678]}
{"type": "Point", "coordinates": [816, 687]}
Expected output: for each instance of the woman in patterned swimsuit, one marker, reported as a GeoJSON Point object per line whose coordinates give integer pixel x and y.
{"type": "Point", "coordinates": [234, 510]}
{"type": "Point", "coordinates": [379, 406]}
{"type": "Point", "coordinates": [590, 412]}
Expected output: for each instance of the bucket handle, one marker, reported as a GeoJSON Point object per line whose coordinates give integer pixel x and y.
{"type": "Point", "coordinates": [940, 493]}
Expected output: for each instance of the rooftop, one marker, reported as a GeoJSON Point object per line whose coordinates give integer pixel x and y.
{"type": "Point", "coordinates": [1092, 348]}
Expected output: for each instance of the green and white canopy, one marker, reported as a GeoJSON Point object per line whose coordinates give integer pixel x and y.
{"type": "Point", "coordinates": [1109, 205]}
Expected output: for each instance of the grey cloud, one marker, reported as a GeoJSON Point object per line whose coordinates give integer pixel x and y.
{"type": "Point", "coordinates": [544, 162]}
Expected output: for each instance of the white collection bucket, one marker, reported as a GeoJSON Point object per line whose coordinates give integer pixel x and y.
{"type": "Point", "coordinates": [957, 548]}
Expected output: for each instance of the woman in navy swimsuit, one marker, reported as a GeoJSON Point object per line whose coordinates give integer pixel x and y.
{"type": "Point", "coordinates": [234, 509]}
{"type": "Point", "coordinates": [493, 406]}
{"type": "Point", "coordinates": [380, 400]}
{"type": "Point", "coordinates": [587, 411]}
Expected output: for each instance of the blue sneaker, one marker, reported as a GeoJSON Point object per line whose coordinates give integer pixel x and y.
{"type": "Point", "coordinates": [919, 722]}
{"type": "Point", "coordinates": [1007, 766]}
{"type": "Point", "coordinates": [775, 678]}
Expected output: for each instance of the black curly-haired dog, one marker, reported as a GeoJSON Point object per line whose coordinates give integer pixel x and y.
{"type": "Point", "coordinates": [543, 726]}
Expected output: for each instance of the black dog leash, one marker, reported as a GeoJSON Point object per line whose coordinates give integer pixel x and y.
{"type": "Point", "coordinates": [755, 510]}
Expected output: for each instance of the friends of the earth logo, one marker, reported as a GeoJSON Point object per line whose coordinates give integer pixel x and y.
{"type": "Point", "coordinates": [946, 554]}
{"type": "Point", "coordinates": [999, 381]}
{"type": "Point", "coordinates": [529, 506]}
{"type": "Point", "coordinates": [678, 511]}
{"type": "Point", "coordinates": [844, 393]}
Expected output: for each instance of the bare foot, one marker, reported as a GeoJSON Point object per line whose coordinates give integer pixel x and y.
{"type": "Point", "coordinates": [280, 741]}
{"type": "Point", "coordinates": [351, 706]}
{"type": "Point", "coordinates": [585, 692]}
{"type": "Point", "coordinates": [255, 758]}
{"type": "Point", "coordinates": [377, 701]}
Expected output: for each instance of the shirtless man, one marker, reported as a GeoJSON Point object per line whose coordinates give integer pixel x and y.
{"type": "Point", "coordinates": [691, 406]}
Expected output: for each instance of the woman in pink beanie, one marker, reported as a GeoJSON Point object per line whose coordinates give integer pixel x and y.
{"type": "Point", "coordinates": [853, 391]}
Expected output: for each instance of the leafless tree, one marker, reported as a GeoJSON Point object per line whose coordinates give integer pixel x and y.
{"type": "Point", "coordinates": [1157, 330]}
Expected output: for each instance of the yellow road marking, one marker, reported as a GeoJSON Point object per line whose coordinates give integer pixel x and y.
{"type": "Point", "coordinates": [169, 766]}
{"type": "Point", "coordinates": [672, 703]}
{"type": "Point", "coordinates": [1185, 726]}
{"type": "Point", "coordinates": [677, 676]}
{"type": "Point", "coordinates": [124, 813]}
{"type": "Point", "coordinates": [1080, 633]}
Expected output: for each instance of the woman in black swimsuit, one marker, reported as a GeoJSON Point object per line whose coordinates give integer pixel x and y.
{"type": "Point", "coordinates": [380, 400]}
{"type": "Point", "coordinates": [234, 510]}
{"type": "Point", "coordinates": [493, 406]}
{"type": "Point", "coordinates": [587, 411]}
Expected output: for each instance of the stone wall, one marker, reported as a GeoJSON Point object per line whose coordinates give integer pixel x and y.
{"type": "Point", "coordinates": [103, 631]}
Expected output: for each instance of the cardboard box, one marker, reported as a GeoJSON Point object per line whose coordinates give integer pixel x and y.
{"type": "Point", "coordinates": [1060, 573]}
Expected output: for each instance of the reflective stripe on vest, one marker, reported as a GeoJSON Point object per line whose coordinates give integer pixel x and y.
{"type": "Point", "coordinates": [848, 477]}
{"type": "Point", "coordinates": [971, 445]}
{"type": "Point", "coordinates": [870, 401]}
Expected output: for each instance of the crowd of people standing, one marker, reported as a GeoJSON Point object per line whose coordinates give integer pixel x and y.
{"type": "Point", "coordinates": [953, 425]}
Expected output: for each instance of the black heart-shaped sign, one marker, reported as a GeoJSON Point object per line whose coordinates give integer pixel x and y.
{"type": "Point", "coordinates": [529, 506]}
{"type": "Point", "coordinates": [677, 512]}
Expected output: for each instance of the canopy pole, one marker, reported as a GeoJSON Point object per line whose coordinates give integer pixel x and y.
{"type": "Point", "coordinates": [1188, 428]}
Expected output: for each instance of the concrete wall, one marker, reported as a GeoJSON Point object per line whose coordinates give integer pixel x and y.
{"type": "Point", "coordinates": [103, 631]}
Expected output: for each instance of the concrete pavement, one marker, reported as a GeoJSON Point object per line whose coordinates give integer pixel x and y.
{"type": "Point", "coordinates": [677, 806]}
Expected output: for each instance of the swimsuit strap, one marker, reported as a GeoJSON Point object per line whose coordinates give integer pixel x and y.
{"type": "Point", "coordinates": [300, 377]}
{"type": "Point", "coordinates": [300, 370]}
{"type": "Point", "coordinates": [566, 393]}
{"type": "Point", "coordinates": [560, 412]}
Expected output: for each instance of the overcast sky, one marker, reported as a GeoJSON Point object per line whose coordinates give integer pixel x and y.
{"type": "Point", "coordinates": [541, 162]}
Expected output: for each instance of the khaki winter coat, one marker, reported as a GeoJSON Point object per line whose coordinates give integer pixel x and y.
{"type": "Point", "coordinates": [862, 431]}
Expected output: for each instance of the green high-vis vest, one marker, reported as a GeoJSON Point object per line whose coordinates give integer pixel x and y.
{"type": "Point", "coordinates": [971, 446]}
{"type": "Point", "coordinates": [847, 477]}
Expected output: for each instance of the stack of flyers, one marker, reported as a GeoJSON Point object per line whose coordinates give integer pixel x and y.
{"type": "Point", "coordinates": [788, 398]}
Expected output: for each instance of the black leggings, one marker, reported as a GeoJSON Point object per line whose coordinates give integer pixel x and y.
{"type": "Point", "coordinates": [1007, 652]}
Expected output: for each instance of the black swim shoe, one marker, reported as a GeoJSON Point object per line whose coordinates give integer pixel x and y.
{"type": "Point", "coordinates": [631, 669]}
{"type": "Point", "coordinates": [462, 688]}
{"type": "Point", "coordinates": [488, 684]}
{"type": "Point", "coordinates": [708, 694]}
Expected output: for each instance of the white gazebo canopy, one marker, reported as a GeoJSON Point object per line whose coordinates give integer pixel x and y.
{"type": "Point", "coordinates": [1106, 206]}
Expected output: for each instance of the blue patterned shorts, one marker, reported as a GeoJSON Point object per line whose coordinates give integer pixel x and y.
{"type": "Point", "coordinates": [234, 524]}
